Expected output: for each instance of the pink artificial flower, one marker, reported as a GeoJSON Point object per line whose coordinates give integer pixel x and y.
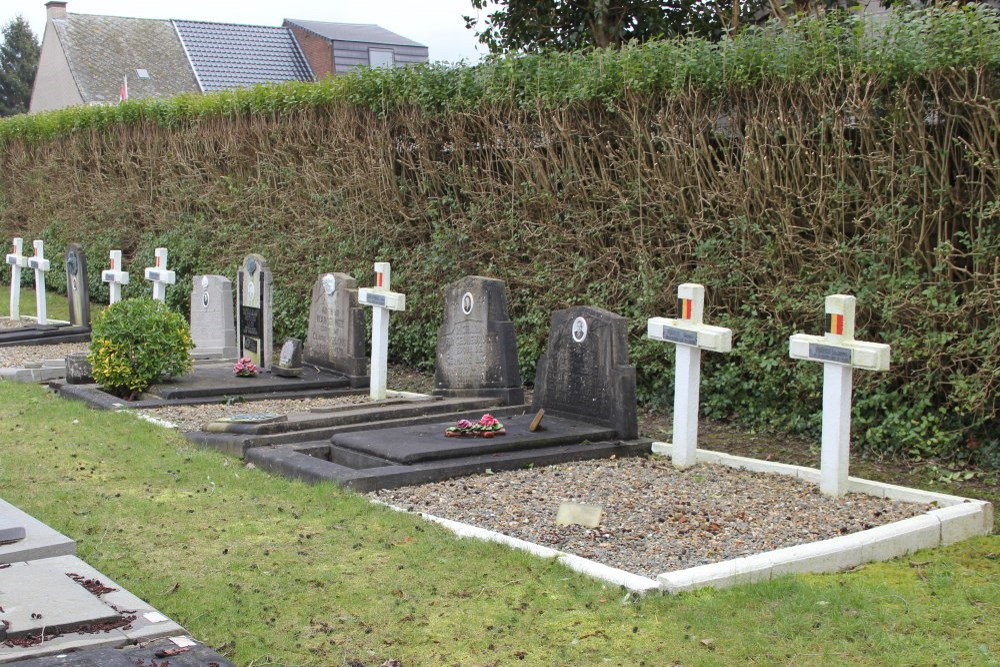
{"type": "Point", "coordinates": [487, 420]}
{"type": "Point", "coordinates": [464, 423]}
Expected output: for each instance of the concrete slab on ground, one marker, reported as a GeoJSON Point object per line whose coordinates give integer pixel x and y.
{"type": "Point", "coordinates": [39, 541]}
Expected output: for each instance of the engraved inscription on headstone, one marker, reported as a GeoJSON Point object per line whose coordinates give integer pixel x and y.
{"type": "Point", "coordinates": [476, 347]}
{"type": "Point", "coordinates": [589, 379]}
{"type": "Point", "coordinates": [254, 323]}
{"type": "Point", "coordinates": [213, 325]}
{"type": "Point", "coordinates": [335, 339]}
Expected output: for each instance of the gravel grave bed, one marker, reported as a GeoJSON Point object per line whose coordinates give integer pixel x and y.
{"type": "Point", "coordinates": [656, 518]}
{"type": "Point", "coordinates": [193, 417]}
{"type": "Point", "coordinates": [19, 356]}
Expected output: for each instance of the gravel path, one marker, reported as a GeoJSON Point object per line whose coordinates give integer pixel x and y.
{"type": "Point", "coordinates": [656, 518]}
{"type": "Point", "coordinates": [193, 417]}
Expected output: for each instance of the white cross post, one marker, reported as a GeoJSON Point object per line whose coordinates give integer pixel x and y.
{"type": "Point", "coordinates": [17, 262]}
{"type": "Point", "coordinates": [160, 276]}
{"type": "Point", "coordinates": [115, 277]}
{"type": "Point", "coordinates": [691, 336]}
{"type": "Point", "coordinates": [840, 355]}
{"type": "Point", "coordinates": [382, 301]}
{"type": "Point", "coordinates": [40, 265]}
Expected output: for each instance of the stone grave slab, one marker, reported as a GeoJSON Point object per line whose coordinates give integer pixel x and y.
{"type": "Point", "coordinates": [44, 587]}
{"type": "Point", "coordinates": [44, 334]}
{"type": "Point", "coordinates": [213, 326]}
{"type": "Point", "coordinates": [158, 652]}
{"type": "Point", "coordinates": [476, 346]}
{"type": "Point", "coordinates": [335, 338]}
{"type": "Point", "coordinates": [38, 540]}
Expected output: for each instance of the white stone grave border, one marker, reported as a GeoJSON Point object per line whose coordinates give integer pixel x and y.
{"type": "Point", "coordinates": [955, 519]}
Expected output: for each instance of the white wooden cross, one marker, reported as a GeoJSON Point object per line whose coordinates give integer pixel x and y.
{"type": "Point", "coordinates": [382, 301]}
{"type": "Point", "coordinates": [691, 336]}
{"type": "Point", "coordinates": [160, 276]}
{"type": "Point", "coordinates": [40, 265]}
{"type": "Point", "coordinates": [17, 262]}
{"type": "Point", "coordinates": [115, 277]}
{"type": "Point", "coordinates": [840, 355]}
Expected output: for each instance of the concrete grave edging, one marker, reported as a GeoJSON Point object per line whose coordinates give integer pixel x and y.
{"type": "Point", "coordinates": [40, 540]}
{"type": "Point", "coordinates": [955, 519]}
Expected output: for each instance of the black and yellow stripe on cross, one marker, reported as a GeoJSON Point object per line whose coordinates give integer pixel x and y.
{"type": "Point", "coordinates": [835, 324]}
{"type": "Point", "coordinates": [684, 308]}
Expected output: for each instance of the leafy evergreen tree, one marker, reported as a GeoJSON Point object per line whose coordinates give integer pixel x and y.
{"type": "Point", "coordinates": [18, 63]}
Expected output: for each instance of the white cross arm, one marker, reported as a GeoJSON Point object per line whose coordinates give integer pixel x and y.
{"type": "Point", "coordinates": [17, 260]}
{"type": "Point", "coordinates": [112, 276]}
{"type": "Point", "coordinates": [855, 353]}
{"type": "Point", "coordinates": [681, 332]}
{"type": "Point", "coordinates": [368, 296]}
{"type": "Point", "coordinates": [39, 263]}
{"type": "Point", "coordinates": [161, 275]}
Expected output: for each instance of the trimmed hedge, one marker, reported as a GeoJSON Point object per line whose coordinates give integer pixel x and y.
{"type": "Point", "coordinates": [775, 168]}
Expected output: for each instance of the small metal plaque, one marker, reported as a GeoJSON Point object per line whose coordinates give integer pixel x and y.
{"type": "Point", "coordinates": [682, 336]}
{"type": "Point", "coordinates": [839, 355]}
{"type": "Point", "coordinates": [154, 275]}
{"type": "Point", "coordinates": [375, 299]}
{"type": "Point", "coordinates": [250, 321]}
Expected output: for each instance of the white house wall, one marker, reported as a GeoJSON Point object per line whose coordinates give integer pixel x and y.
{"type": "Point", "coordinates": [54, 86]}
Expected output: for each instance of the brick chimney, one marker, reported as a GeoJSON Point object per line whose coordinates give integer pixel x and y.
{"type": "Point", "coordinates": [55, 9]}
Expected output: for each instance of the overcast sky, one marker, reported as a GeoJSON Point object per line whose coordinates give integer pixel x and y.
{"type": "Point", "coordinates": [436, 23]}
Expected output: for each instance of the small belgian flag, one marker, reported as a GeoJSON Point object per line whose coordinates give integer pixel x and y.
{"type": "Point", "coordinates": [684, 309]}
{"type": "Point", "coordinates": [835, 324]}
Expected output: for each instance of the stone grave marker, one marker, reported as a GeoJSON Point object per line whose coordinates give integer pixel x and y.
{"type": "Point", "coordinates": [10, 531]}
{"type": "Point", "coordinates": [254, 324]}
{"type": "Point", "coordinates": [77, 286]}
{"type": "Point", "coordinates": [382, 300]}
{"type": "Point", "coordinates": [40, 266]}
{"type": "Point", "coordinates": [290, 359]}
{"type": "Point", "coordinates": [160, 276]}
{"type": "Point", "coordinates": [585, 373]}
{"type": "Point", "coordinates": [17, 261]}
{"type": "Point", "coordinates": [840, 354]}
{"type": "Point", "coordinates": [690, 335]}
{"type": "Point", "coordinates": [115, 277]}
{"type": "Point", "coordinates": [476, 346]}
{"type": "Point", "coordinates": [213, 327]}
{"type": "Point", "coordinates": [336, 336]}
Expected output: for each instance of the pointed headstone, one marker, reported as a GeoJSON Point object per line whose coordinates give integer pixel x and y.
{"type": "Point", "coordinates": [254, 324]}
{"type": "Point", "coordinates": [213, 327]}
{"type": "Point", "coordinates": [585, 374]}
{"type": "Point", "coordinates": [476, 345]}
{"type": "Point", "coordinates": [336, 336]}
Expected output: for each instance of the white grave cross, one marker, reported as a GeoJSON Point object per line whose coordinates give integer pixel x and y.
{"type": "Point", "coordinates": [382, 301]}
{"type": "Point", "coordinates": [160, 276]}
{"type": "Point", "coordinates": [17, 262]}
{"type": "Point", "coordinates": [115, 277]}
{"type": "Point", "coordinates": [691, 336]}
{"type": "Point", "coordinates": [840, 355]}
{"type": "Point", "coordinates": [40, 265]}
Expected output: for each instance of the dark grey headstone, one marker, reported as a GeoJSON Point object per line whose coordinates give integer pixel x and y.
{"type": "Point", "coordinates": [290, 360]}
{"type": "Point", "coordinates": [254, 323]}
{"type": "Point", "coordinates": [77, 286]}
{"type": "Point", "coordinates": [78, 369]}
{"type": "Point", "coordinates": [213, 328]}
{"type": "Point", "coordinates": [585, 371]}
{"type": "Point", "coordinates": [476, 345]}
{"type": "Point", "coordinates": [335, 339]}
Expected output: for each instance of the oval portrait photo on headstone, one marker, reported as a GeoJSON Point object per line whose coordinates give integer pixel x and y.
{"type": "Point", "coordinates": [579, 329]}
{"type": "Point", "coordinates": [204, 299]}
{"type": "Point", "coordinates": [467, 303]}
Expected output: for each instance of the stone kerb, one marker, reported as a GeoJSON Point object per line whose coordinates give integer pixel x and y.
{"type": "Point", "coordinates": [476, 344]}
{"type": "Point", "coordinates": [585, 372]}
{"type": "Point", "coordinates": [335, 338]}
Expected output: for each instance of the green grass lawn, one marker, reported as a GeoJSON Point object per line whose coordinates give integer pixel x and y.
{"type": "Point", "coordinates": [57, 308]}
{"type": "Point", "coordinates": [277, 572]}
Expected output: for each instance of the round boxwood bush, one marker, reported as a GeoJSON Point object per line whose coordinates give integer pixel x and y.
{"type": "Point", "coordinates": [135, 342]}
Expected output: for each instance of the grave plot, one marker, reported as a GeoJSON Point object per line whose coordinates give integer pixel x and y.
{"type": "Point", "coordinates": [334, 362]}
{"type": "Point", "coordinates": [55, 604]}
{"type": "Point", "coordinates": [24, 538]}
{"type": "Point", "coordinates": [476, 351]}
{"type": "Point", "coordinates": [583, 408]}
{"type": "Point", "coordinates": [42, 330]}
{"type": "Point", "coordinates": [179, 651]}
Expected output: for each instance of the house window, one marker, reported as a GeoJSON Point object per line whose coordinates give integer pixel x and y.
{"type": "Point", "coordinates": [380, 58]}
{"type": "Point", "coordinates": [142, 74]}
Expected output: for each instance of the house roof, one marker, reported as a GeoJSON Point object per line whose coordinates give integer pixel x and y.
{"type": "Point", "coordinates": [101, 50]}
{"type": "Point", "coordinates": [353, 32]}
{"type": "Point", "coordinates": [228, 55]}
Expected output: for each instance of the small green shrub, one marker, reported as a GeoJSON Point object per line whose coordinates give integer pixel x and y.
{"type": "Point", "coordinates": [135, 342]}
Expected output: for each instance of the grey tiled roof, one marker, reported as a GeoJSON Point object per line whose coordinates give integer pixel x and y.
{"type": "Point", "coordinates": [353, 32]}
{"type": "Point", "coordinates": [101, 50]}
{"type": "Point", "coordinates": [227, 55]}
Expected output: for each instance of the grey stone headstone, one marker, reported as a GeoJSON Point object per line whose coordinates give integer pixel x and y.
{"type": "Point", "coordinates": [254, 323]}
{"type": "Point", "coordinates": [476, 345]}
{"type": "Point", "coordinates": [10, 531]}
{"type": "Point", "coordinates": [335, 339]}
{"type": "Point", "coordinates": [77, 286]}
{"type": "Point", "coordinates": [290, 360]}
{"type": "Point", "coordinates": [78, 369]}
{"type": "Point", "coordinates": [585, 372]}
{"type": "Point", "coordinates": [213, 327]}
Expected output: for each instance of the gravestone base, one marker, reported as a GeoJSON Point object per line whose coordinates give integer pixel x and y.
{"type": "Point", "coordinates": [44, 334]}
{"type": "Point", "coordinates": [500, 395]}
{"type": "Point", "coordinates": [385, 458]}
{"type": "Point", "coordinates": [78, 369]}
{"type": "Point", "coordinates": [149, 653]}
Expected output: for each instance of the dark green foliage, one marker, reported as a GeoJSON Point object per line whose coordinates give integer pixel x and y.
{"type": "Point", "coordinates": [135, 343]}
{"type": "Point", "coordinates": [18, 63]}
